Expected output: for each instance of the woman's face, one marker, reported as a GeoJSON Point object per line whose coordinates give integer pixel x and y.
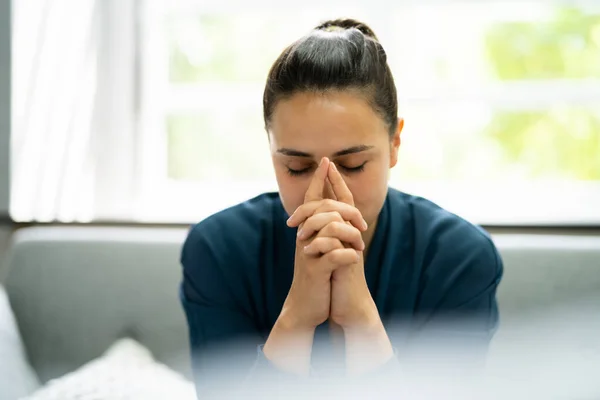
{"type": "Point", "coordinates": [343, 127]}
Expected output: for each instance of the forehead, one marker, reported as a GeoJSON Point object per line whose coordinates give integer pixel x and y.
{"type": "Point", "coordinates": [333, 119]}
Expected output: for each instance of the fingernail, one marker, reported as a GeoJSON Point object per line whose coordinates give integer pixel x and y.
{"type": "Point", "coordinates": [300, 233]}
{"type": "Point", "coordinates": [321, 162]}
{"type": "Point", "coordinates": [365, 225]}
{"type": "Point", "coordinates": [307, 248]}
{"type": "Point", "coordinates": [333, 166]}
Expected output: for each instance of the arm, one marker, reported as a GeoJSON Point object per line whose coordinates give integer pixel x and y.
{"type": "Point", "coordinates": [221, 310]}
{"type": "Point", "coordinates": [368, 348]}
{"type": "Point", "coordinates": [458, 312]}
{"type": "Point", "coordinates": [289, 345]}
{"type": "Point", "coordinates": [226, 342]}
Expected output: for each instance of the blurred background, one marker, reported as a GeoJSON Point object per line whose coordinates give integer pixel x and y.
{"type": "Point", "coordinates": [151, 110]}
{"type": "Point", "coordinates": [124, 121]}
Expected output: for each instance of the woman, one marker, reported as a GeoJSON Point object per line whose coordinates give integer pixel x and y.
{"type": "Point", "coordinates": [336, 253]}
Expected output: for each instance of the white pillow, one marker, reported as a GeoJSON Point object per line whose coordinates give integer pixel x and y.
{"type": "Point", "coordinates": [17, 378]}
{"type": "Point", "coordinates": [126, 371]}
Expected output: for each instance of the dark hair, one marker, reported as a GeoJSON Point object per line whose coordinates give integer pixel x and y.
{"type": "Point", "coordinates": [341, 54]}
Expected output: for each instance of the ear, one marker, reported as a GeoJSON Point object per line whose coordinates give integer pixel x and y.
{"type": "Point", "coordinates": [395, 143]}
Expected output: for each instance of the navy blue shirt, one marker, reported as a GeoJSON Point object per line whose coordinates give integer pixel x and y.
{"type": "Point", "coordinates": [432, 275]}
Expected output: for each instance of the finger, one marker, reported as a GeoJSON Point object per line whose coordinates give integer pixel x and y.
{"type": "Point", "coordinates": [317, 184]}
{"type": "Point", "coordinates": [340, 257]}
{"type": "Point", "coordinates": [345, 233]}
{"type": "Point", "coordinates": [317, 222]}
{"type": "Point", "coordinates": [328, 192]}
{"type": "Point", "coordinates": [340, 189]}
{"type": "Point", "coordinates": [348, 213]}
{"type": "Point", "coordinates": [322, 245]}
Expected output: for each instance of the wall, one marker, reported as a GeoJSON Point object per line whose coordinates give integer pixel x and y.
{"type": "Point", "coordinates": [5, 108]}
{"type": "Point", "coordinates": [5, 234]}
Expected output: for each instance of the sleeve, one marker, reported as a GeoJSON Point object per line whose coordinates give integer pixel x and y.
{"type": "Point", "coordinates": [224, 338]}
{"type": "Point", "coordinates": [457, 307]}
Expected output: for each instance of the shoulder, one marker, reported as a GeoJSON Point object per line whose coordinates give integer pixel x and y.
{"type": "Point", "coordinates": [445, 241]}
{"type": "Point", "coordinates": [431, 223]}
{"type": "Point", "coordinates": [234, 228]}
{"type": "Point", "coordinates": [221, 254]}
{"type": "Point", "coordinates": [459, 266]}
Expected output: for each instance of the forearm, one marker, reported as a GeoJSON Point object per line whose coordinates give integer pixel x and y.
{"type": "Point", "coordinates": [367, 346]}
{"type": "Point", "coordinates": [289, 345]}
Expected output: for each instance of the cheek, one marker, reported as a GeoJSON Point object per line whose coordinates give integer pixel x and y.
{"type": "Point", "coordinates": [291, 190]}
{"type": "Point", "coordinates": [369, 190]}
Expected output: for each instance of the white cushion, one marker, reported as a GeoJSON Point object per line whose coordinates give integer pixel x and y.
{"type": "Point", "coordinates": [17, 378]}
{"type": "Point", "coordinates": [126, 371]}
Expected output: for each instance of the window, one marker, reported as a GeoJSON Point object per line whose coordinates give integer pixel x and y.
{"type": "Point", "coordinates": [501, 102]}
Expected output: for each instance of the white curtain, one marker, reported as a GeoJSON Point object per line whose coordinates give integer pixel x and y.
{"type": "Point", "coordinates": [54, 86]}
{"type": "Point", "coordinates": [66, 88]}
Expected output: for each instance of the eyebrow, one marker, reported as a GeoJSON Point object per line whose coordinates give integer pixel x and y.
{"type": "Point", "coordinates": [349, 150]}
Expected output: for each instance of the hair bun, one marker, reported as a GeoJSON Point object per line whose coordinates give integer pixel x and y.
{"type": "Point", "coordinates": [347, 24]}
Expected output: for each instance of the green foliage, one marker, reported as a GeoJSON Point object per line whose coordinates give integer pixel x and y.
{"type": "Point", "coordinates": [566, 47]}
{"type": "Point", "coordinates": [563, 142]}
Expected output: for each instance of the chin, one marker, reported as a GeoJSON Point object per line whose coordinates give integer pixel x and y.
{"type": "Point", "coordinates": [371, 212]}
{"type": "Point", "coordinates": [287, 205]}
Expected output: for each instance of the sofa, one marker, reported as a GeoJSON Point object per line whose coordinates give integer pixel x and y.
{"type": "Point", "coordinates": [75, 290]}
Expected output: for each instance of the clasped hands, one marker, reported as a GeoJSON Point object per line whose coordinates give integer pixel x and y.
{"type": "Point", "coordinates": [329, 279]}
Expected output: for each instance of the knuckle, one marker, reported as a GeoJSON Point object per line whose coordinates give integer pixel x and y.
{"type": "Point", "coordinates": [329, 203]}
{"type": "Point", "coordinates": [313, 220]}
{"type": "Point", "coordinates": [355, 233]}
{"type": "Point", "coordinates": [333, 217]}
{"type": "Point", "coordinates": [334, 256]}
{"type": "Point", "coordinates": [352, 214]}
{"type": "Point", "coordinates": [300, 209]}
{"type": "Point", "coordinates": [326, 231]}
{"type": "Point", "coordinates": [317, 220]}
{"type": "Point", "coordinates": [319, 243]}
{"type": "Point", "coordinates": [336, 228]}
{"type": "Point", "coordinates": [321, 208]}
{"type": "Point", "coordinates": [336, 244]}
{"type": "Point", "coordinates": [348, 229]}
{"type": "Point", "coordinates": [338, 256]}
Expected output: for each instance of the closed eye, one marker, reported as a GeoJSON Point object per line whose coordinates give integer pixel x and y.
{"type": "Point", "coordinates": [348, 170]}
{"type": "Point", "coordinates": [352, 170]}
{"type": "Point", "coordinates": [298, 172]}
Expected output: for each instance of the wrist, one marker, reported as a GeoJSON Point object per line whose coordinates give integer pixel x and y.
{"type": "Point", "coordinates": [289, 321]}
{"type": "Point", "coordinates": [365, 320]}
{"type": "Point", "coordinates": [367, 345]}
{"type": "Point", "coordinates": [289, 345]}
